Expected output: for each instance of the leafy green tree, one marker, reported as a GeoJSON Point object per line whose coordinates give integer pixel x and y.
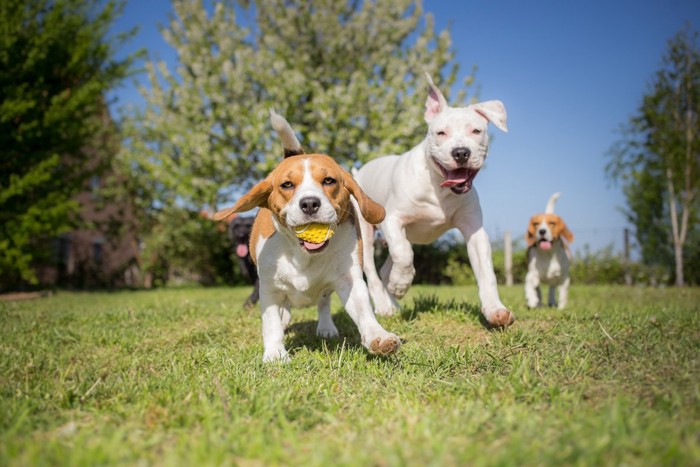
{"type": "Point", "coordinates": [659, 160]}
{"type": "Point", "coordinates": [349, 76]}
{"type": "Point", "coordinates": [56, 64]}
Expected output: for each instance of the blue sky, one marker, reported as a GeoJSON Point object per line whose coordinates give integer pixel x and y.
{"type": "Point", "coordinates": [569, 73]}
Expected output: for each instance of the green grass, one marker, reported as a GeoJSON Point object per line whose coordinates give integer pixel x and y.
{"type": "Point", "coordinates": [174, 377]}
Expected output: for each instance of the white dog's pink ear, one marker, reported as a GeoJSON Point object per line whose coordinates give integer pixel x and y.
{"type": "Point", "coordinates": [435, 101]}
{"type": "Point", "coordinates": [494, 112]}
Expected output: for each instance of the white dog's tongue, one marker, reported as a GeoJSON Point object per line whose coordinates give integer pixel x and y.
{"type": "Point", "coordinates": [313, 246]}
{"type": "Point", "coordinates": [242, 250]}
{"type": "Point", "coordinates": [545, 245]}
{"type": "Point", "coordinates": [455, 177]}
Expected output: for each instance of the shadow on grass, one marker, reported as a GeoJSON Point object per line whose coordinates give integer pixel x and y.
{"type": "Point", "coordinates": [432, 304]}
{"type": "Point", "coordinates": [303, 335]}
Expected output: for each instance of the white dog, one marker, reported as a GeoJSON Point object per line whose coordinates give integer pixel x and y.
{"type": "Point", "coordinates": [547, 257]}
{"type": "Point", "coordinates": [427, 191]}
{"type": "Point", "coordinates": [306, 244]}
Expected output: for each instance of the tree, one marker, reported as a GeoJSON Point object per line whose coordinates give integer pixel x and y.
{"type": "Point", "coordinates": [349, 76]}
{"type": "Point", "coordinates": [659, 160]}
{"type": "Point", "coordinates": [56, 64]}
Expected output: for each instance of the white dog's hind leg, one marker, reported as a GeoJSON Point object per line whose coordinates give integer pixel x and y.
{"type": "Point", "coordinates": [479, 250]}
{"type": "Point", "coordinates": [326, 328]}
{"type": "Point", "coordinates": [383, 304]}
{"type": "Point", "coordinates": [402, 270]}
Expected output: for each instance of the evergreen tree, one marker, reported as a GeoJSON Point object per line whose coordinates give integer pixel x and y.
{"type": "Point", "coordinates": [56, 64]}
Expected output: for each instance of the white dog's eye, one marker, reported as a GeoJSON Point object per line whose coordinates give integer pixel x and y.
{"type": "Point", "coordinates": [441, 133]}
{"type": "Point", "coordinates": [476, 131]}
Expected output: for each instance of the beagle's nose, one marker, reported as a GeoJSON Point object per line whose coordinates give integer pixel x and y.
{"type": "Point", "coordinates": [460, 155]}
{"type": "Point", "coordinates": [542, 231]}
{"type": "Point", "coordinates": [309, 205]}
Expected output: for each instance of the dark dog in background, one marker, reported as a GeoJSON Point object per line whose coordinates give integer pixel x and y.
{"type": "Point", "coordinates": [239, 233]}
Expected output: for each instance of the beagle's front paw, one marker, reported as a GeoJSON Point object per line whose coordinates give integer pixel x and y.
{"type": "Point", "coordinates": [327, 330]}
{"type": "Point", "coordinates": [276, 355]}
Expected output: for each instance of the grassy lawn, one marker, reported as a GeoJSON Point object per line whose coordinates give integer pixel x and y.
{"type": "Point", "coordinates": [174, 377]}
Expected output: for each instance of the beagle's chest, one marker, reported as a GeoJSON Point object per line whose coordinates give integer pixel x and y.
{"type": "Point", "coordinates": [300, 277]}
{"type": "Point", "coordinates": [302, 286]}
{"type": "Point", "coordinates": [552, 266]}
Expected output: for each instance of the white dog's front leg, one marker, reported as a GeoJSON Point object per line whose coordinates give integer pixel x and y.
{"type": "Point", "coordinates": [375, 338]}
{"type": "Point", "coordinates": [479, 250]}
{"type": "Point", "coordinates": [402, 270]}
{"type": "Point", "coordinates": [272, 330]}
{"type": "Point", "coordinates": [326, 328]}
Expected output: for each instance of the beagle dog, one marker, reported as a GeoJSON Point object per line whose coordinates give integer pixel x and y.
{"type": "Point", "coordinates": [548, 257]}
{"type": "Point", "coordinates": [303, 192]}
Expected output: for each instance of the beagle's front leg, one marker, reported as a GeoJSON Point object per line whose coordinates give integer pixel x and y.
{"type": "Point", "coordinates": [273, 329]}
{"type": "Point", "coordinates": [355, 298]}
{"type": "Point", "coordinates": [326, 328]}
{"type": "Point", "coordinates": [532, 291]}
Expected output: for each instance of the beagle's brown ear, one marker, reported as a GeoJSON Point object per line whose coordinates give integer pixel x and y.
{"type": "Point", "coordinates": [372, 211]}
{"type": "Point", "coordinates": [530, 236]}
{"type": "Point", "coordinates": [566, 233]}
{"type": "Point", "coordinates": [256, 197]}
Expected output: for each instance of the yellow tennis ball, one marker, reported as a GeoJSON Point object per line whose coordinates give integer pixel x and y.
{"type": "Point", "coordinates": [314, 233]}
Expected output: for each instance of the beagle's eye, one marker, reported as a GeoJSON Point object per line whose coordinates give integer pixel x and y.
{"type": "Point", "coordinates": [328, 181]}
{"type": "Point", "coordinates": [552, 223]}
{"type": "Point", "coordinates": [287, 185]}
{"type": "Point", "coordinates": [476, 131]}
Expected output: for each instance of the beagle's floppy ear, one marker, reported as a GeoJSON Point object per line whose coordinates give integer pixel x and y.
{"type": "Point", "coordinates": [372, 211]}
{"type": "Point", "coordinates": [494, 112]}
{"type": "Point", "coordinates": [530, 236]}
{"type": "Point", "coordinates": [566, 233]}
{"type": "Point", "coordinates": [256, 197]}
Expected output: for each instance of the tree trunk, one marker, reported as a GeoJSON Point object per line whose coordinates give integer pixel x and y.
{"type": "Point", "coordinates": [677, 240]}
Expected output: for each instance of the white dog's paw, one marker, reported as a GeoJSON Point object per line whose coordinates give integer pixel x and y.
{"type": "Point", "coordinates": [276, 355]}
{"type": "Point", "coordinates": [384, 344]}
{"type": "Point", "coordinates": [500, 318]}
{"type": "Point", "coordinates": [327, 331]}
{"type": "Point", "coordinates": [400, 281]}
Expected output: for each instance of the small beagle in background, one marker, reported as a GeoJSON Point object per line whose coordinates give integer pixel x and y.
{"type": "Point", "coordinates": [548, 257]}
{"type": "Point", "coordinates": [306, 244]}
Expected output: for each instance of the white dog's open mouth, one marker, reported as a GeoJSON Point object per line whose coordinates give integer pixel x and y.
{"type": "Point", "coordinates": [458, 180]}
